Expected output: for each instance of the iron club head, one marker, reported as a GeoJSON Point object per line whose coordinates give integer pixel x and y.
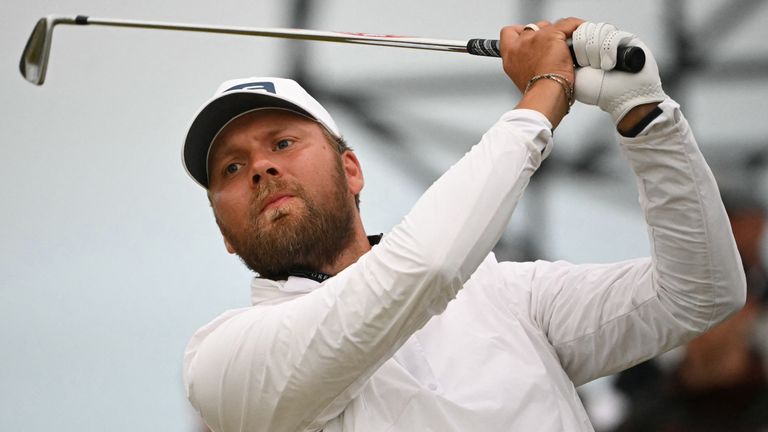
{"type": "Point", "coordinates": [34, 59]}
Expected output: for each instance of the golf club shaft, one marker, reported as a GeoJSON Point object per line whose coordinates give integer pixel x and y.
{"type": "Point", "coordinates": [481, 47]}
{"type": "Point", "coordinates": [34, 60]}
{"type": "Point", "coordinates": [288, 33]}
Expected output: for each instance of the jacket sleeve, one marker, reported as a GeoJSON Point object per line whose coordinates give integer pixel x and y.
{"type": "Point", "coordinates": [601, 319]}
{"type": "Point", "coordinates": [295, 365]}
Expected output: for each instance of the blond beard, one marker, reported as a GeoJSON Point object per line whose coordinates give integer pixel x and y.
{"type": "Point", "coordinates": [303, 235]}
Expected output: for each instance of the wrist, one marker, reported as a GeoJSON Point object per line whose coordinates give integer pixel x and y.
{"type": "Point", "coordinates": [634, 117]}
{"type": "Point", "coordinates": [550, 97]}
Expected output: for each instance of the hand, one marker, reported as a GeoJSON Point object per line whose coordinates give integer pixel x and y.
{"type": "Point", "coordinates": [527, 53]}
{"type": "Point", "coordinates": [615, 92]}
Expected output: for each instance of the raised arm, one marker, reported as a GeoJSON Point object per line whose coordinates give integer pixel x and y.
{"type": "Point", "coordinates": [604, 318]}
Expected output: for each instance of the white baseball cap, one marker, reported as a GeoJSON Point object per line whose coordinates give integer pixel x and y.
{"type": "Point", "coordinates": [239, 96]}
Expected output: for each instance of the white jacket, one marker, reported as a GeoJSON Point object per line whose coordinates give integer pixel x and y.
{"type": "Point", "coordinates": [384, 346]}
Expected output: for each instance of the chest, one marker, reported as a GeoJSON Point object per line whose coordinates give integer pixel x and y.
{"type": "Point", "coordinates": [478, 366]}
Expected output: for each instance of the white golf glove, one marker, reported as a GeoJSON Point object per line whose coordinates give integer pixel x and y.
{"type": "Point", "coordinates": [615, 92]}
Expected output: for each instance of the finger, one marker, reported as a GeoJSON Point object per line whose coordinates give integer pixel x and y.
{"type": "Point", "coordinates": [510, 32]}
{"type": "Point", "coordinates": [534, 27]}
{"type": "Point", "coordinates": [590, 40]}
{"type": "Point", "coordinates": [508, 35]}
{"type": "Point", "coordinates": [579, 39]}
{"type": "Point", "coordinates": [592, 47]}
{"type": "Point", "coordinates": [588, 85]}
{"type": "Point", "coordinates": [610, 46]}
{"type": "Point", "coordinates": [595, 36]}
{"type": "Point", "coordinates": [568, 25]}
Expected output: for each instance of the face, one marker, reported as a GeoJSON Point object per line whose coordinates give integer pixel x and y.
{"type": "Point", "coordinates": [282, 194]}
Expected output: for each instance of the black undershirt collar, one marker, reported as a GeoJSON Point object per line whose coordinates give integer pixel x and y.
{"type": "Point", "coordinates": [322, 277]}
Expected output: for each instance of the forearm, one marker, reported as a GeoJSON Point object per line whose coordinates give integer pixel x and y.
{"type": "Point", "coordinates": [461, 217]}
{"type": "Point", "coordinates": [696, 265]}
{"type": "Point", "coordinates": [604, 318]}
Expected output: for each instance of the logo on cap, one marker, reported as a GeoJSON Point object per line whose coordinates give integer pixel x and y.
{"type": "Point", "coordinates": [263, 85]}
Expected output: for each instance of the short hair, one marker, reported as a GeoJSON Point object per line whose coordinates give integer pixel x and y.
{"type": "Point", "coordinates": [339, 143]}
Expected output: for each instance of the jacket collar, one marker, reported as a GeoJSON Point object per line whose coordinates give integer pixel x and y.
{"type": "Point", "coordinates": [267, 291]}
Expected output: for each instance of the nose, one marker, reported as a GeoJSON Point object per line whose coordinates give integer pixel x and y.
{"type": "Point", "coordinates": [263, 168]}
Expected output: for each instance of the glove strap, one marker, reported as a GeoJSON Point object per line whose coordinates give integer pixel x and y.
{"type": "Point", "coordinates": [560, 79]}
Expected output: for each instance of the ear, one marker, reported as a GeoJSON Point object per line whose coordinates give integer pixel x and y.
{"type": "Point", "coordinates": [228, 245]}
{"type": "Point", "coordinates": [353, 171]}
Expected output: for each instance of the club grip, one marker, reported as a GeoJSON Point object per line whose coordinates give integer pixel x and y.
{"type": "Point", "coordinates": [629, 58]}
{"type": "Point", "coordinates": [484, 47]}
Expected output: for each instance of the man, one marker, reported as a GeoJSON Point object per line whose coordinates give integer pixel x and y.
{"type": "Point", "coordinates": [426, 331]}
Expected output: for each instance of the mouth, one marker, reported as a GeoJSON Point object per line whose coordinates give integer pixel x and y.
{"type": "Point", "coordinates": [275, 201]}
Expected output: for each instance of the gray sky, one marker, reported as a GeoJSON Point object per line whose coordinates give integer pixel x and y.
{"type": "Point", "coordinates": [110, 258]}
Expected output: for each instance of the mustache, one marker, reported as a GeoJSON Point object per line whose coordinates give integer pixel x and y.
{"type": "Point", "coordinates": [270, 188]}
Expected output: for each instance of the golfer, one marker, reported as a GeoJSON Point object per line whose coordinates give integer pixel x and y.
{"type": "Point", "coordinates": [422, 329]}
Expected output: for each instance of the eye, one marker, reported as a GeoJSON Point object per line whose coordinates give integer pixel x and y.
{"type": "Point", "coordinates": [283, 144]}
{"type": "Point", "coordinates": [231, 168]}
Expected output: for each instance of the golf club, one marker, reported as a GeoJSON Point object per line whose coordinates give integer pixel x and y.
{"type": "Point", "coordinates": [34, 59]}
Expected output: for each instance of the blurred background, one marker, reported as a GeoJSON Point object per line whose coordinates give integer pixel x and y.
{"type": "Point", "coordinates": [110, 258]}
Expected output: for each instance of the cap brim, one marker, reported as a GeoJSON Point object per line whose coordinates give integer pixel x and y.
{"type": "Point", "coordinates": [213, 116]}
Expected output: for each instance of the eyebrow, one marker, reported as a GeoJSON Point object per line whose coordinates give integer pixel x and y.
{"type": "Point", "coordinates": [266, 133]}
